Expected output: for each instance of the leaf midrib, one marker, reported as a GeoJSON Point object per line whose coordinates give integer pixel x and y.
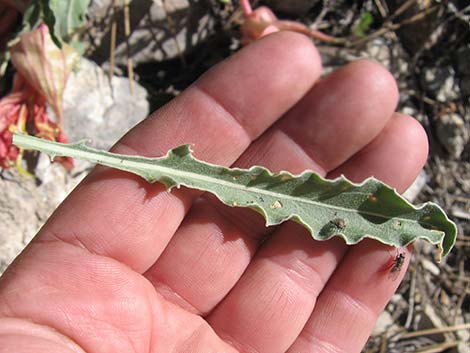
{"type": "Point", "coordinates": [116, 161]}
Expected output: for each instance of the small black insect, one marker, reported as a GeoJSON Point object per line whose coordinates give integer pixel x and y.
{"type": "Point", "coordinates": [398, 262]}
{"type": "Point", "coordinates": [394, 265]}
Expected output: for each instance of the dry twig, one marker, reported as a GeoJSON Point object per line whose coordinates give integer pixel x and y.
{"type": "Point", "coordinates": [390, 26]}
{"type": "Point", "coordinates": [411, 303]}
{"type": "Point", "coordinates": [127, 32]}
{"type": "Point", "coordinates": [112, 53]}
{"type": "Point", "coordinates": [382, 7]}
{"type": "Point", "coordinates": [460, 302]}
{"type": "Point", "coordinates": [439, 347]}
{"type": "Point", "coordinates": [434, 331]}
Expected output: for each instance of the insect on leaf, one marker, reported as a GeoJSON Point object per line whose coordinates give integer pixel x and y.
{"type": "Point", "coordinates": [327, 208]}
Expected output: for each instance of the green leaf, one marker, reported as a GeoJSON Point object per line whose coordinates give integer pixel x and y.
{"type": "Point", "coordinates": [326, 208]}
{"type": "Point", "coordinates": [37, 13]}
{"type": "Point", "coordinates": [363, 26]}
{"type": "Point", "coordinates": [69, 16]}
{"type": "Point", "coordinates": [32, 17]}
{"type": "Point", "coordinates": [51, 19]}
{"type": "Point", "coordinates": [63, 18]}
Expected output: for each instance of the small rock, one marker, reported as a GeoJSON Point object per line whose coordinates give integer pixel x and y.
{"type": "Point", "coordinates": [397, 299]}
{"type": "Point", "coordinates": [100, 110]}
{"type": "Point", "coordinates": [24, 207]}
{"type": "Point", "coordinates": [441, 82]}
{"type": "Point", "coordinates": [452, 133]}
{"type": "Point", "coordinates": [433, 77]}
{"type": "Point", "coordinates": [413, 191]}
{"type": "Point", "coordinates": [389, 53]}
{"type": "Point", "coordinates": [430, 266]}
{"type": "Point", "coordinates": [380, 51]}
{"type": "Point", "coordinates": [409, 110]}
{"type": "Point", "coordinates": [383, 323]}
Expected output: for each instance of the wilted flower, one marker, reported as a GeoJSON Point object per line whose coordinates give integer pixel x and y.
{"type": "Point", "coordinates": [11, 119]}
{"type": "Point", "coordinates": [44, 65]}
{"type": "Point", "coordinates": [42, 73]}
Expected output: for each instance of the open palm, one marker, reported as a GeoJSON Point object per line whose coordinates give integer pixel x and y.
{"type": "Point", "coordinates": [124, 266]}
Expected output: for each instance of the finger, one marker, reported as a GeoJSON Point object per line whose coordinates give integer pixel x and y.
{"type": "Point", "coordinates": [348, 114]}
{"type": "Point", "coordinates": [345, 315]}
{"type": "Point", "coordinates": [116, 214]}
{"type": "Point", "coordinates": [361, 286]}
{"type": "Point", "coordinates": [72, 299]}
{"type": "Point", "coordinates": [274, 299]}
{"type": "Point", "coordinates": [226, 238]}
{"type": "Point", "coordinates": [26, 336]}
{"type": "Point", "coordinates": [402, 135]}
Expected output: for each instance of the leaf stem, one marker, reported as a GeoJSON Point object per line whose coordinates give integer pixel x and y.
{"type": "Point", "coordinates": [246, 7]}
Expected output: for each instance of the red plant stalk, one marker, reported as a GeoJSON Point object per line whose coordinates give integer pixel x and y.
{"type": "Point", "coordinates": [262, 21]}
{"type": "Point", "coordinates": [246, 7]}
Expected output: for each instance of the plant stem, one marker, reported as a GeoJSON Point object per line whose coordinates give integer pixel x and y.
{"type": "Point", "coordinates": [112, 52]}
{"type": "Point", "coordinates": [127, 31]}
{"type": "Point", "coordinates": [246, 7]}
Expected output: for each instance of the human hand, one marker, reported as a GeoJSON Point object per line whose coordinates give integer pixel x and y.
{"type": "Point", "coordinates": [124, 266]}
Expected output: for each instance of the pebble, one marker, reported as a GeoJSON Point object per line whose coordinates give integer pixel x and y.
{"type": "Point", "coordinates": [452, 133]}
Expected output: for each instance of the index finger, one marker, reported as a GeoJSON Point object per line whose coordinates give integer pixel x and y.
{"type": "Point", "coordinates": [116, 214]}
